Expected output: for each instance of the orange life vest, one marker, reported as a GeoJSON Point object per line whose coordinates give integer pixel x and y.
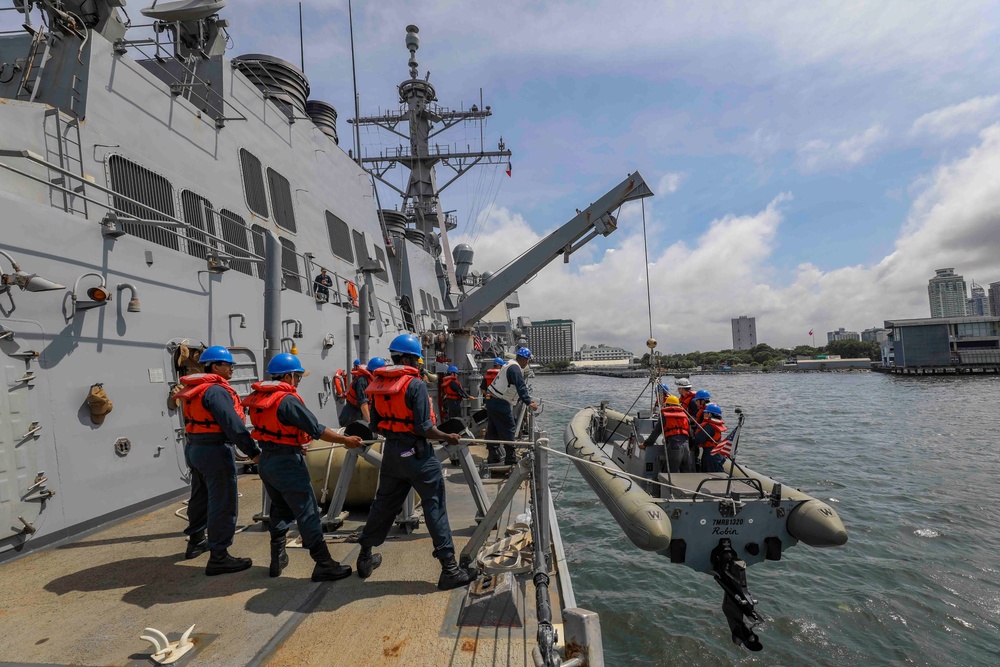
{"type": "Point", "coordinates": [263, 405]}
{"type": "Point", "coordinates": [450, 392]}
{"type": "Point", "coordinates": [352, 293]}
{"type": "Point", "coordinates": [340, 383]}
{"type": "Point", "coordinates": [491, 375]}
{"type": "Point", "coordinates": [352, 395]}
{"type": "Point", "coordinates": [686, 401]}
{"type": "Point", "coordinates": [388, 394]}
{"type": "Point", "coordinates": [715, 428]}
{"type": "Point", "coordinates": [196, 418]}
{"type": "Point", "coordinates": [675, 421]}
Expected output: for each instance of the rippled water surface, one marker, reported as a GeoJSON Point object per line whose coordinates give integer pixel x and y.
{"type": "Point", "coordinates": [912, 465]}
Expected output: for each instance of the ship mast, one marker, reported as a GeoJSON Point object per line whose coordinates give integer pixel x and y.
{"type": "Point", "coordinates": [419, 109]}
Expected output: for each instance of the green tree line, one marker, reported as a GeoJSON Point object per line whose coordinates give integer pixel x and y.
{"type": "Point", "coordinates": [765, 355]}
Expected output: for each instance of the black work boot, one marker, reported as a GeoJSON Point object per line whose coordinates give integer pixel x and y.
{"type": "Point", "coordinates": [279, 557]}
{"type": "Point", "coordinates": [196, 546]}
{"type": "Point", "coordinates": [452, 576]}
{"type": "Point", "coordinates": [326, 568]}
{"type": "Point", "coordinates": [367, 562]}
{"type": "Point", "coordinates": [222, 563]}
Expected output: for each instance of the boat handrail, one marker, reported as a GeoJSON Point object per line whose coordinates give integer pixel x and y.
{"type": "Point", "coordinates": [729, 479]}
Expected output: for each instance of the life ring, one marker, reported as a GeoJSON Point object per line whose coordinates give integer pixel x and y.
{"type": "Point", "coordinates": [340, 384]}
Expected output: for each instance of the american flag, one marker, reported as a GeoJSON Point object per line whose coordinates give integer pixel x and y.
{"type": "Point", "coordinates": [725, 447]}
{"type": "Point", "coordinates": [477, 343]}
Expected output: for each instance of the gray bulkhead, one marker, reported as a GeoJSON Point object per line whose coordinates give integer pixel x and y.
{"type": "Point", "coordinates": [132, 116]}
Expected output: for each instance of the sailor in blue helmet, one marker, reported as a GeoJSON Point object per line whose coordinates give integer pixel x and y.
{"type": "Point", "coordinates": [213, 417]}
{"type": "Point", "coordinates": [356, 402]}
{"type": "Point", "coordinates": [454, 393]}
{"type": "Point", "coordinates": [506, 389]}
{"type": "Point", "coordinates": [709, 436]}
{"type": "Point", "coordinates": [283, 425]}
{"type": "Point", "coordinates": [401, 411]}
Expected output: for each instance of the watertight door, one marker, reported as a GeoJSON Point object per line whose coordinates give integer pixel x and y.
{"type": "Point", "coordinates": [23, 489]}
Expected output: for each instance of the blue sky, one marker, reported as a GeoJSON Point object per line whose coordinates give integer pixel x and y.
{"type": "Point", "coordinates": [813, 162]}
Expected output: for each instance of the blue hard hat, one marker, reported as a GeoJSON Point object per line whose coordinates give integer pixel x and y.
{"type": "Point", "coordinates": [713, 409]}
{"type": "Point", "coordinates": [524, 352]}
{"type": "Point", "coordinates": [664, 388]}
{"type": "Point", "coordinates": [406, 344]}
{"type": "Point", "coordinates": [701, 394]}
{"type": "Point", "coordinates": [215, 353]}
{"type": "Point", "coordinates": [285, 363]}
{"type": "Point", "coordinates": [498, 361]}
{"type": "Point", "coordinates": [452, 369]}
{"type": "Point", "coordinates": [375, 363]}
{"type": "Point", "coordinates": [357, 362]}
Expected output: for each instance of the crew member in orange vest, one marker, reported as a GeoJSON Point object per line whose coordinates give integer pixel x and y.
{"type": "Point", "coordinates": [454, 393]}
{"type": "Point", "coordinates": [283, 425]}
{"type": "Point", "coordinates": [708, 436]}
{"type": "Point", "coordinates": [686, 394]}
{"type": "Point", "coordinates": [356, 400]}
{"type": "Point", "coordinates": [674, 426]}
{"type": "Point", "coordinates": [402, 412]}
{"type": "Point", "coordinates": [213, 417]}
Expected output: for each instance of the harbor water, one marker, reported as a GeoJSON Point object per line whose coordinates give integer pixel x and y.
{"type": "Point", "coordinates": [910, 464]}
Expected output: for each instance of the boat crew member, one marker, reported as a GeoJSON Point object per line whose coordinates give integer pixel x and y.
{"type": "Point", "coordinates": [685, 392]}
{"type": "Point", "coordinates": [454, 393]}
{"type": "Point", "coordinates": [708, 436]}
{"type": "Point", "coordinates": [505, 391]}
{"type": "Point", "coordinates": [662, 391]}
{"type": "Point", "coordinates": [701, 399]}
{"type": "Point", "coordinates": [321, 286]}
{"type": "Point", "coordinates": [356, 401]}
{"type": "Point", "coordinates": [401, 411]}
{"type": "Point", "coordinates": [213, 417]}
{"type": "Point", "coordinates": [488, 377]}
{"type": "Point", "coordinates": [674, 426]}
{"type": "Point", "coordinates": [283, 424]}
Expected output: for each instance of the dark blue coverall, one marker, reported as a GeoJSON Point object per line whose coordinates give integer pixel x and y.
{"type": "Point", "coordinates": [213, 505]}
{"type": "Point", "coordinates": [500, 416]}
{"type": "Point", "coordinates": [286, 479]}
{"type": "Point", "coordinates": [350, 414]}
{"type": "Point", "coordinates": [403, 468]}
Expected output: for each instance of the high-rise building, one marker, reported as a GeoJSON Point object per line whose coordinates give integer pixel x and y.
{"type": "Point", "coordinates": [744, 332]}
{"type": "Point", "coordinates": [551, 340]}
{"type": "Point", "coordinates": [947, 294]}
{"type": "Point", "coordinates": [842, 334]}
{"type": "Point", "coordinates": [874, 335]}
{"type": "Point", "coordinates": [977, 304]}
{"type": "Point", "coordinates": [994, 298]}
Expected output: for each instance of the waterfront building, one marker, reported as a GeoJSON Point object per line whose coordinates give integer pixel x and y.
{"type": "Point", "coordinates": [947, 294]}
{"type": "Point", "coordinates": [842, 334]}
{"type": "Point", "coordinates": [943, 342]}
{"type": "Point", "coordinates": [744, 332]}
{"type": "Point", "coordinates": [603, 353]}
{"type": "Point", "coordinates": [551, 340]}
{"type": "Point", "coordinates": [977, 304]}
{"type": "Point", "coordinates": [873, 335]}
{"type": "Point", "coordinates": [994, 299]}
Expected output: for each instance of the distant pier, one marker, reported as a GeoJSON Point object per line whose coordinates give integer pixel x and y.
{"type": "Point", "coordinates": [992, 369]}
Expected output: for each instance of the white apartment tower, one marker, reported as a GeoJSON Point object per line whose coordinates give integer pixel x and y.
{"type": "Point", "coordinates": [947, 294]}
{"type": "Point", "coordinates": [744, 332]}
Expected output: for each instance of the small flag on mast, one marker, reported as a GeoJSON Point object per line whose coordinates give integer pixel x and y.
{"type": "Point", "coordinates": [509, 168]}
{"type": "Point", "coordinates": [810, 332]}
{"type": "Point", "coordinates": [724, 447]}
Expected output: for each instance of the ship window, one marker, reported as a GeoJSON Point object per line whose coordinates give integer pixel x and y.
{"type": "Point", "coordinates": [437, 306]}
{"type": "Point", "coordinates": [234, 230]}
{"type": "Point", "coordinates": [253, 182]}
{"type": "Point", "coordinates": [360, 248]}
{"type": "Point", "coordinates": [281, 200]}
{"type": "Point", "coordinates": [290, 266]}
{"type": "Point", "coordinates": [130, 180]}
{"type": "Point", "coordinates": [198, 213]}
{"type": "Point", "coordinates": [340, 237]}
{"type": "Point", "coordinates": [257, 237]}
{"type": "Point", "coordinates": [380, 256]}
{"type": "Point", "coordinates": [423, 302]}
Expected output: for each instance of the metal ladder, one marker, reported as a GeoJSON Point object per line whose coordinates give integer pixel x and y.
{"type": "Point", "coordinates": [34, 66]}
{"type": "Point", "coordinates": [69, 150]}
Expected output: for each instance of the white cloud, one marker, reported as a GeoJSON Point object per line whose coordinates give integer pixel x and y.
{"type": "Point", "coordinates": [967, 117]}
{"type": "Point", "coordinates": [727, 271]}
{"type": "Point", "coordinates": [818, 154]}
{"type": "Point", "coordinates": [669, 183]}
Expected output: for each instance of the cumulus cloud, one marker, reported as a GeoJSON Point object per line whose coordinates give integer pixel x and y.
{"type": "Point", "coordinates": [669, 183]}
{"type": "Point", "coordinates": [698, 286]}
{"type": "Point", "coordinates": [965, 118]}
{"type": "Point", "coordinates": [819, 154]}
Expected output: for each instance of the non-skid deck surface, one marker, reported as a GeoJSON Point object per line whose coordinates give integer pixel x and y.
{"type": "Point", "coordinates": [86, 603]}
